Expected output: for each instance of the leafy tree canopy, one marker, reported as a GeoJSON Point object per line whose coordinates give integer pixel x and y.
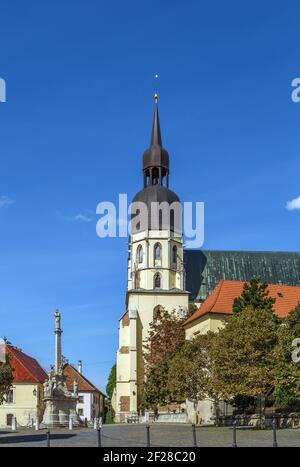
{"type": "Point", "coordinates": [256, 296]}
{"type": "Point", "coordinates": [242, 355]}
{"type": "Point", "coordinates": [111, 382]}
{"type": "Point", "coordinates": [188, 375]}
{"type": "Point", "coordinates": [6, 378]}
{"type": "Point", "coordinates": [166, 337]}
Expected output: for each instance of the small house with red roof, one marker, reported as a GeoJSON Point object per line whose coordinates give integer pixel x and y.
{"type": "Point", "coordinates": [91, 401]}
{"type": "Point", "coordinates": [24, 399]}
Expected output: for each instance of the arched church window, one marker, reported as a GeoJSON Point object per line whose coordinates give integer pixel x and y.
{"type": "Point", "coordinates": [140, 254]}
{"type": "Point", "coordinates": [157, 252]}
{"type": "Point", "coordinates": [157, 281]}
{"type": "Point", "coordinates": [174, 254]}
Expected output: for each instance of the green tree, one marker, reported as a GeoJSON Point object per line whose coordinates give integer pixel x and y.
{"type": "Point", "coordinates": [189, 369]}
{"type": "Point", "coordinates": [166, 336]}
{"type": "Point", "coordinates": [6, 378]}
{"type": "Point", "coordinates": [256, 296]}
{"type": "Point", "coordinates": [287, 372]}
{"type": "Point", "coordinates": [242, 355]}
{"type": "Point", "coordinates": [111, 382]}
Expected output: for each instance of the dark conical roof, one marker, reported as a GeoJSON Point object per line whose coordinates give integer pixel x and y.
{"type": "Point", "coordinates": [156, 155]}
{"type": "Point", "coordinates": [158, 194]}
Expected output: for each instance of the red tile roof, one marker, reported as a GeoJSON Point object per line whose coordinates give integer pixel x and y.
{"type": "Point", "coordinates": [84, 385]}
{"type": "Point", "coordinates": [25, 368]}
{"type": "Point", "coordinates": [221, 300]}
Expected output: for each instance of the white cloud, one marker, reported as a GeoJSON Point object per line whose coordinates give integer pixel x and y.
{"type": "Point", "coordinates": [82, 218]}
{"type": "Point", "coordinates": [294, 204]}
{"type": "Point", "coordinates": [5, 201]}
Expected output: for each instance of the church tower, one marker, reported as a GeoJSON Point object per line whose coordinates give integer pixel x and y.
{"type": "Point", "coordinates": [155, 270]}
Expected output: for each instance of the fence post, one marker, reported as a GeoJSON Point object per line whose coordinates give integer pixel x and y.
{"type": "Point", "coordinates": [275, 444]}
{"type": "Point", "coordinates": [99, 436]}
{"type": "Point", "coordinates": [194, 435]}
{"type": "Point", "coordinates": [148, 435]}
{"type": "Point", "coordinates": [70, 423]}
{"type": "Point", "coordinates": [234, 443]}
{"type": "Point", "coordinates": [37, 424]}
{"type": "Point", "coordinates": [14, 424]}
{"type": "Point", "coordinates": [48, 438]}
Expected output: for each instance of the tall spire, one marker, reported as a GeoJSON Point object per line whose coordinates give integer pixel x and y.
{"type": "Point", "coordinates": [156, 158]}
{"type": "Point", "coordinates": [156, 133]}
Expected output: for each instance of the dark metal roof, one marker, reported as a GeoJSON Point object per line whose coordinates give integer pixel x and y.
{"type": "Point", "coordinates": [156, 155]}
{"type": "Point", "coordinates": [205, 269]}
{"type": "Point", "coordinates": [157, 194]}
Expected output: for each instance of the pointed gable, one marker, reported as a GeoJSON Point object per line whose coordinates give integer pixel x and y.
{"type": "Point", "coordinates": [84, 385]}
{"type": "Point", "coordinates": [25, 368]}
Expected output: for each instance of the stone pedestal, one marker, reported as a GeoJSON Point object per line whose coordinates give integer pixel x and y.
{"type": "Point", "coordinates": [60, 404]}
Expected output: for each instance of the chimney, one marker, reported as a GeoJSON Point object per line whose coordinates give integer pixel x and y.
{"type": "Point", "coordinates": [80, 366]}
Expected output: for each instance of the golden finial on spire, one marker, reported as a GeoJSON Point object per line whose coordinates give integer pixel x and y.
{"type": "Point", "coordinates": [156, 95]}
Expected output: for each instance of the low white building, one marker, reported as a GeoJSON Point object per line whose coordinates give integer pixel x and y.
{"type": "Point", "coordinates": [91, 402]}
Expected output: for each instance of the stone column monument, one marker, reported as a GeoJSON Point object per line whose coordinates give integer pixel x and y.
{"type": "Point", "coordinates": [60, 404]}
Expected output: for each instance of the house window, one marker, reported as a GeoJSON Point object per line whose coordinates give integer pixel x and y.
{"type": "Point", "coordinates": [157, 281]}
{"type": "Point", "coordinates": [80, 400]}
{"type": "Point", "coordinates": [157, 252]}
{"type": "Point", "coordinates": [9, 419]}
{"type": "Point", "coordinates": [80, 412]}
{"type": "Point", "coordinates": [10, 396]}
{"type": "Point", "coordinates": [140, 255]}
{"type": "Point", "coordinates": [174, 255]}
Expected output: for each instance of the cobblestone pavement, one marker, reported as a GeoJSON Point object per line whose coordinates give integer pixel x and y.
{"type": "Point", "coordinates": [161, 436]}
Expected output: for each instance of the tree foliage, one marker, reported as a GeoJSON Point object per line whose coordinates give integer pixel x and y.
{"type": "Point", "coordinates": [256, 296]}
{"type": "Point", "coordinates": [166, 336]}
{"type": "Point", "coordinates": [189, 369]}
{"type": "Point", "coordinates": [287, 372]}
{"type": "Point", "coordinates": [242, 355]}
{"type": "Point", "coordinates": [6, 378]}
{"type": "Point", "coordinates": [111, 382]}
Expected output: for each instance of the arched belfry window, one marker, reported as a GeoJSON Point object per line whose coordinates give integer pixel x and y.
{"type": "Point", "coordinates": [157, 281]}
{"type": "Point", "coordinates": [174, 255]}
{"type": "Point", "coordinates": [157, 252]}
{"type": "Point", "coordinates": [139, 254]}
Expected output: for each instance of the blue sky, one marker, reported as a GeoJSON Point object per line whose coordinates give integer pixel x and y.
{"type": "Point", "coordinates": [77, 119]}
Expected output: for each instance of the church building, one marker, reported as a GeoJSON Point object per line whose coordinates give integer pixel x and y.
{"type": "Point", "coordinates": [162, 276]}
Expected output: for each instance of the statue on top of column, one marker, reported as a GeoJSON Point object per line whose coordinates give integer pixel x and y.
{"type": "Point", "coordinates": [57, 319]}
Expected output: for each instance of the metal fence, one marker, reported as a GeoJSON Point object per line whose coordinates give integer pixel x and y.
{"type": "Point", "coordinates": [48, 436]}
